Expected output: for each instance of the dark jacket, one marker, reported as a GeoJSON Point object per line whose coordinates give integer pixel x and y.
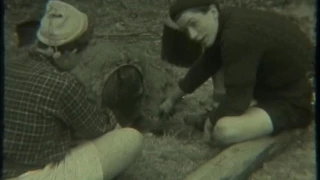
{"type": "Point", "coordinates": [264, 56]}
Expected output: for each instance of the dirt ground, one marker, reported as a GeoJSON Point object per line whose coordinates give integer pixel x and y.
{"type": "Point", "coordinates": [130, 32]}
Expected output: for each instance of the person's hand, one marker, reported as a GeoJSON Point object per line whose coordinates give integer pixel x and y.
{"type": "Point", "coordinates": [166, 107]}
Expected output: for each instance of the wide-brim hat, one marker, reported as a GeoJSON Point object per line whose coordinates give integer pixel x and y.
{"type": "Point", "coordinates": [61, 24]}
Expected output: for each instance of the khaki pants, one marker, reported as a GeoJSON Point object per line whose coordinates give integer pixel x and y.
{"type": "Point", "coordinates": [101, 159]}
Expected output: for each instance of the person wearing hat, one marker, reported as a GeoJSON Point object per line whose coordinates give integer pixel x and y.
{"type": "Point", "coordinates": [260, 61]}
{"type": "Point", "coordinates": [47, 112]}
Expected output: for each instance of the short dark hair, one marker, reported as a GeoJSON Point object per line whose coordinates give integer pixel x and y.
{"type": "Point", "coordinates": [181, 5]}
{"type": "Point", "coordinates": [201, 9]}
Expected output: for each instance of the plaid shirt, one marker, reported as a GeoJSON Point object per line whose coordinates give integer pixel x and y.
{"type": "Point", "coordinates": [43, 108]}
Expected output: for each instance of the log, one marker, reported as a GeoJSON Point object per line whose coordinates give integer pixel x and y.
{"type": "Point", "coordinates": [239, 161]}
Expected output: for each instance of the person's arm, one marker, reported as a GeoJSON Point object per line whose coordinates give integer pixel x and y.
{"type": "Point", "coordinates": [241, 61]}
{"type": "Point", "coordinates": [199, 73]}
{"type": "Point", "coordinates": [82, 116]}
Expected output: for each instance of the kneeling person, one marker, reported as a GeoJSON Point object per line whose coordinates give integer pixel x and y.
{"type": "Point", "coordinates": [262, 56]}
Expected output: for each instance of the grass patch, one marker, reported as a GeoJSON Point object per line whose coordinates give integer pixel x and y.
{"type": "Point", "coordinates": [167, 158]}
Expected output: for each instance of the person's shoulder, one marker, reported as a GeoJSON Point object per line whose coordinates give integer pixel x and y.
{"type": "Point", "coordinates": [257, 20]}
{"type": "Point", "coordinates": [244, 25]}
{"type": "Point", "coordinates": [234, 23]}
{"type": "Point", "coordinates": [245, 12]}
{"type": "Point", "coordinates": [29, 69]}
{"type": "Point", "coordinates": [47, 75]}
{"type": "Point", "coordinates": [234, 36]}
{"type": "Point", "coordinates": [64, 79]}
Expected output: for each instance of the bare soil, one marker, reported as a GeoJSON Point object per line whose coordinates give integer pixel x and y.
{"type": "Point", "coordinates": [130, 32]}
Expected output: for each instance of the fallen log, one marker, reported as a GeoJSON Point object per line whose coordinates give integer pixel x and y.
{"type": "Point", "coordinates": [239, 161]}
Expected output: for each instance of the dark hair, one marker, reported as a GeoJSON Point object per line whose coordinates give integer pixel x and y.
{"type": "Point", "coordinates": [199, 5]}
{"type": "Point", "coordinates": [201, 9]}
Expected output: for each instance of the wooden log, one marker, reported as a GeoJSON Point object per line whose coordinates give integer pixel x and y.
{"type": "Point", "coordinates": [239, 161]}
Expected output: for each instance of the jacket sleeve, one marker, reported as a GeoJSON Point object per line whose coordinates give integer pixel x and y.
{"type": "Point", "coordinates": [82, 116]}
{"type": "Point", "coordinates": [240, 63]}
{"type": "Point", "coordinates": [199, 73]}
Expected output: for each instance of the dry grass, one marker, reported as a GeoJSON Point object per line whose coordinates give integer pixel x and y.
{"type": "Point", "coordinates": [167, 158]}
